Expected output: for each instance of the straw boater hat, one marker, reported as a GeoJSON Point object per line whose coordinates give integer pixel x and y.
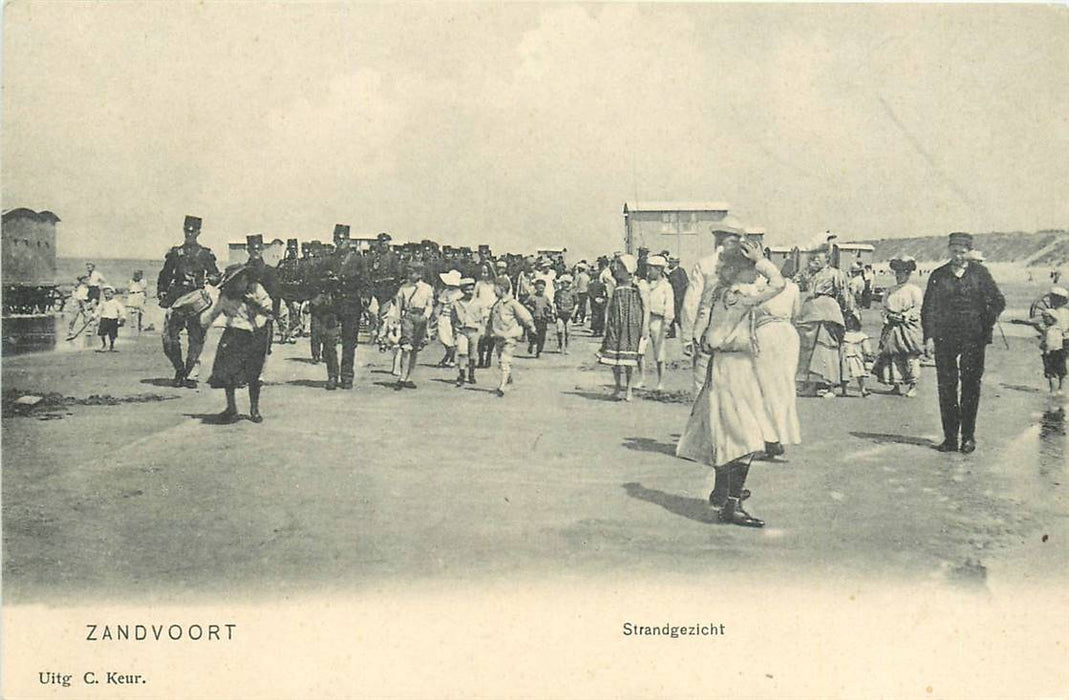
{"type": "Point", "coordinates": [565, 279]}
{"type": "Point", "coordinates": [657, 261]}
{"type": "Point", "coordinates": [451, 278]}
{"type": "Point", "coordinates": [467, 282]}
{"type": "Point", "coordinates": [629, 262]}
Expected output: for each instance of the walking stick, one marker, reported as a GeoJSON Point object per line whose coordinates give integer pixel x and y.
{"type": "Point", "coordinates": [1003, 334]}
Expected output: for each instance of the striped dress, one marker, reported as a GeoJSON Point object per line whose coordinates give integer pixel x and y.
{"type": "Point", "coordinates": [623, 328]}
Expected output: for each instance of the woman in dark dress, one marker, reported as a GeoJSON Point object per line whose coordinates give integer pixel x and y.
{"type": "Point", "coordinates": [627, 324]}
{"type": "Point", "coordinates": [239, 360]}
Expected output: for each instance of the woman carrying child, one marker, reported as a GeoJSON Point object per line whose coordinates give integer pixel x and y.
{"type": "Point", "coordinates": [239, 360]}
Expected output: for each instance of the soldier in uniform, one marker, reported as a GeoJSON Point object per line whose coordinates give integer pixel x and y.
{"type": "Point", "coordinates": [385, 274]}
{"type": "Point", "coordinates": [348, 273]}
{"type": "Point", "coordinates": [961, 305]}
{"type": "Point", "coordinates": [267, 276]}
{"type": "Point", "coordinates": [309, 279]}
{"type": "Point", "coordinates": [288, 276]}
{"type": "Point", "coordinates": [186, 268]}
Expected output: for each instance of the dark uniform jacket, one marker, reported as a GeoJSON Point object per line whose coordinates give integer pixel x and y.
{"type": "Point", "coordinates": [963, 309]}
{"type": "Point", "coordinates": [349, 270]}
{"type": "Point", "coordinates": [185, 268]}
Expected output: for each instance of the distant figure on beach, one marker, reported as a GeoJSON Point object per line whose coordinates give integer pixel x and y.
{"type": "Point", "coordinates": [110, 314]}
{"type": "Point", "coordinates": [82, 311]}
{"type": "Point", "coordinates": [136, 293]}
{"type": "Point", "coordinates": [1050, 316]}
{"type": "Point", "coordinates": [95, 280]}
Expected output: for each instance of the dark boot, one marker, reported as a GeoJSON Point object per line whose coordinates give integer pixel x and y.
{"type": "Point", "coordinates": [774, 449]}
{"type": "Point", "coordinates": [332, 383]}
{"type": "Point", "coordinates": [718, 497]}
{"type": "Point", "coordinates": [732, 512]}
{"type": "Point", "coordinates": [948, 445]}
{"type": "Point", "coordinates": [471, 374]}
{"type": "Point", "coordinates": [460, 378]}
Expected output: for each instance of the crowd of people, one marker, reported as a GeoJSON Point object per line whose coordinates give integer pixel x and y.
{"type": "Point", "coordinates": [758, 335]}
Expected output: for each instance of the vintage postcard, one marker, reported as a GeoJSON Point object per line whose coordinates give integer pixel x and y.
{"type": "Point", "coordinates": [534, 350]}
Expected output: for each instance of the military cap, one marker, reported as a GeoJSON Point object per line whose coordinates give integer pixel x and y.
{"type": "Point", "coordinates": [306, 246]}
{"type": "Point", "coordinates": [341, 232]}
{"type": "Point", "coordinates": [960, 238]}
{"type": "Point", "coordinates": [192, 223]}
{"type": "Point", "coordinates": [254, 241]}
{"type": "Point", "coordinates": [291, 244]}
{"type": "Point", "coordinates": [384, 236]}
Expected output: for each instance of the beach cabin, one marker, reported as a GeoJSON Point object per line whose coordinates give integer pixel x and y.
{"type": "Point", "coordinates": [684, 229]}
{"type": "Point", "coordinates": [273, 252]}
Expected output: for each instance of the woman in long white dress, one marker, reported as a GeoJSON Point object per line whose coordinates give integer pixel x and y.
{"type": "Point", "coordinates": [777, 362]}
{"type": "Point", "coordinates": [727, 423]}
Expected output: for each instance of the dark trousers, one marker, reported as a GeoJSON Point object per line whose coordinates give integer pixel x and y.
{"type": "Point", "coordinates": [315, 330]}
{"type": "Point", "coordinates": [173, 325]}
{"type": "Point", "coordinates": [956, 359]}
{"type": "Point", "coordinates": [597, 317]}
{"type": "Point", "coordinates": [486, 350]}
{"type": "Point", "coordinates": [580, 309]}
{"type": "Point", "coordinates": [538, 341]}
{"type": "Point", "coordinates": [347, 326]}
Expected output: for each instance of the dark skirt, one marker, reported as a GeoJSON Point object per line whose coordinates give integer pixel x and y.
{"type": "Point", "coordinates": [623, 329]}
{"type": "Point", "coordinates": [240, 358]}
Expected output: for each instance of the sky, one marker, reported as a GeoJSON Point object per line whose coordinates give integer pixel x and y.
{"type": "Point", "coordinates": [523, 125]}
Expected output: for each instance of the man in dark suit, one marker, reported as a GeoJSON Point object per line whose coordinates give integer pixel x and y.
{"type": "Point", "coordinates": [961, 305]}
{"type": "Point", "coordinates": [677, 277]}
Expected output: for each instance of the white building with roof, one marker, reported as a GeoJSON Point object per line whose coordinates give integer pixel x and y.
{"type": "Point", "coordinates": [686, 230]}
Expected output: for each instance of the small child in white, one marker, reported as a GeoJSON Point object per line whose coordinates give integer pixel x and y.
{"type": "Point", "coordinates": [856, 350]}
{"type": "Point", "coordinates": [109, 314]}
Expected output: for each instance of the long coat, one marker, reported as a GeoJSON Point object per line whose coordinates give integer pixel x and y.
{"type": "Point", "coordinates": [963, 309]}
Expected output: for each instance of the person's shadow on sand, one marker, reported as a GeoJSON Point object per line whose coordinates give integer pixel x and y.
{"type": "Point", "coordinates": [644, 444]}
{"type": "Point", "coordinates": [214, 418]}
{"type": "Point", "coordinates": [885, 438]}
{"type": "Point", "coordinates": [160, 381]}
{"type": "Point", "coordinates": [696, 509]}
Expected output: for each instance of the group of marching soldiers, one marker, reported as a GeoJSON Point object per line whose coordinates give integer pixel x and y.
{"type": "Point", "coordinates": [336, 284]}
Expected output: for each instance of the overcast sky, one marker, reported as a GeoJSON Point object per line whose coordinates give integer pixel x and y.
{"type": "Point", "coordinates": [518, 125]}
